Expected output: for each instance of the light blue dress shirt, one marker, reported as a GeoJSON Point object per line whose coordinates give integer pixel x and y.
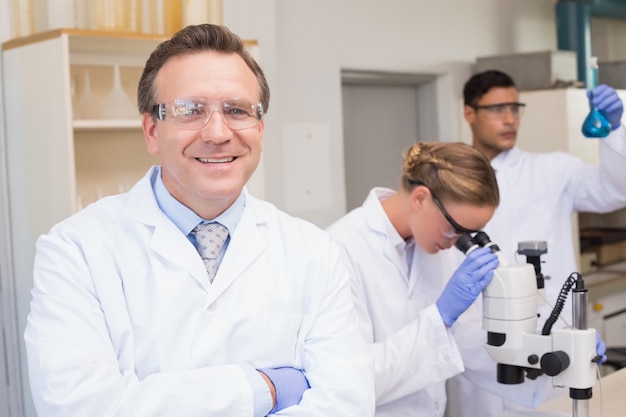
{"type": "Point", "coordinates": [185, 219]}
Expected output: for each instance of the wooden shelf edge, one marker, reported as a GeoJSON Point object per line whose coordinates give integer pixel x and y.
{"type": "Point", "coordinates": [111, 34]}
{"type": "Point", "coordinates": [54, 33]}
{"type": "Point", "coordinates": [106, 124]}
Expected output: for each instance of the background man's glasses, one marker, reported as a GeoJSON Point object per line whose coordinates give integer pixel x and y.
{"type": "Point", "coordinates": [498, 111]}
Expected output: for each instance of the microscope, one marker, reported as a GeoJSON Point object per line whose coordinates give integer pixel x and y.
{"type": "Point", "coordinates": [510, 304]}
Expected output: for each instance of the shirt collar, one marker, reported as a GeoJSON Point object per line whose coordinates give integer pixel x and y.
{"type": "Point", "coordinates": [184, 218]}
{"type": "Point", "coordinates": [505, 158]}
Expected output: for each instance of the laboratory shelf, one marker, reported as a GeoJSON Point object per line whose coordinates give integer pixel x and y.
{"type": "Point", "coordinates": [54, 164]}
{"type": "Point", "coordinates": [101, 124]}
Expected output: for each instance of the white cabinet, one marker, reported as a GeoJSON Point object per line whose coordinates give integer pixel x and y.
{"type": "Point", "coordinates": [55, 163]}
{"type": "Point", "coordinates": [607, 303]}
{"type": "Point", "coordinates": [552, 121]}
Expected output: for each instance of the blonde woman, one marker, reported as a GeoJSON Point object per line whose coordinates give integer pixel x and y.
{"type": "Point", "coordinates": [407, 292]}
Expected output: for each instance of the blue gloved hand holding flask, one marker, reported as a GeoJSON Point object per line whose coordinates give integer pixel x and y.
{"type": "Point", "coordinates": [605, 99]}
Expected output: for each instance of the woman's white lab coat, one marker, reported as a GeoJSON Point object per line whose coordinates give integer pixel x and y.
{"type": "Point", "coordinates": [124, 322]}
{"type": "Point", "coordinates": [539, 193]}
{"type": "Point", "coordinates": [413, 351]}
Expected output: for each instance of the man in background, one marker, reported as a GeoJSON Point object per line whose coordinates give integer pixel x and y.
{"type": "Point", "coordinates": [539, 193]}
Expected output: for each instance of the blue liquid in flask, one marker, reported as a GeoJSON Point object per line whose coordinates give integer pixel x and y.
{"type": "Point", "coordinates": [596, 125]}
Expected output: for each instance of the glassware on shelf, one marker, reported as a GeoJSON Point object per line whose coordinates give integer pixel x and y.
{"type": "Point", "coordinates": [118, 15]}
{"type": "Point", "coordinates": [60, 13]}
{"type": "Point", "coordinates": [81, 13]}
{"type": "Point", "coordinates": [87, 106]}
{"type": "Point", "coordinates": [172, 16]}
{"type": "Point", "coordinates": [100, 192]}
{"type": "Point", "coordinates": [79, 203]}
{"type": "Point", "coordinates": [203, 11]}
{"type": "Point", "coordinates": [596, 125]}
{"type": "Point", "coordinates": [118, 105]}
{"type": "Point", "coordinates": [165, 17]}
{"type": "Point", "coordinates": [23, 18]}
{"type": "Point", "coordinates": [123, 188]}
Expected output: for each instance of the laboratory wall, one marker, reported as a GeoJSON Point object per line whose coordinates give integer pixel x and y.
{"type": "Point", "coordinates": [314, 40]}
{"type": "Point", "coordinates": [608, 39]}
{"type": "Point", "coordinates": [303, 47]}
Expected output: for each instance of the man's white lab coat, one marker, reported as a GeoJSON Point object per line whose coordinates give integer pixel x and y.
{"type": "Point", "coordinates": [124, 321]}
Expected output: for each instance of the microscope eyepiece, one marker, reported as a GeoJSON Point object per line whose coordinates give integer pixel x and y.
{"type": "Point", "coordinates": [483, 240]}
{"type": "Point", "coordinates": [465, 242]}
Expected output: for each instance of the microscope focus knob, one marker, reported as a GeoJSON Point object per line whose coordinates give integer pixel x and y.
{"type": "Point", "coordinates": [554, 363]}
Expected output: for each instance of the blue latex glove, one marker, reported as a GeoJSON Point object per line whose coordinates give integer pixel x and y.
{"type": "Point", "coordinates": [600, 348]}
{"type": "Point", "coordinates": [467, 282]}
{"type": "Point", "coordinates": [289, 383]}
{"type": "Point", "coordinates": [605, 99]}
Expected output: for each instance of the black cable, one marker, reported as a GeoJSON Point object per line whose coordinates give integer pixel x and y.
{"type": "Point", "coordinates": [560, 303]}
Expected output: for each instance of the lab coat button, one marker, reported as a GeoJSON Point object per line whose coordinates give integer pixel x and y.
{"type": "Point", "coordinates": [211, 307]}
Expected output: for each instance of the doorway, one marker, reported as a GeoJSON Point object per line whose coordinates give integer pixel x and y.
{"type": "Point", "coordinates": [383, 115]}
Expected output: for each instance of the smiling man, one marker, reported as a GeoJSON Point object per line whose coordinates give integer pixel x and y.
{"type": "Point", "coordinates": [187, 296]}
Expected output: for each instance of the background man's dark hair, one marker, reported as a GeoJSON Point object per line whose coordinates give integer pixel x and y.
{"type": "Point", "coordinates": [479, 84]}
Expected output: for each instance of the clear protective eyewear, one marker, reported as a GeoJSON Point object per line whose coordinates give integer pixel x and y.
{"type": "Point", "coordinates": [457, 228]}
{"type": "Point", "coordinates": [499, 110]}
{"type": "Point", "coordinates": [195, 113]}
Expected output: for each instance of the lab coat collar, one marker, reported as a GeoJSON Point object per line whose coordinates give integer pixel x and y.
{"type": "Point", "coordinates": [506, 158]}
{"type": "Point", "coordinates": [507, 165]}
{"type": "Point", "coordinates": [377, 218]}
{"type": "Point", "coordinates": [394, 247]}
{"type": "Point", "coordinates": [246, 244]}
{"type": "Point", "coordinates": [167, 239]}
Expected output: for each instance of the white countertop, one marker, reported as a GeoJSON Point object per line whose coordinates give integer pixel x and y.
{"type": "Point", "coordinates": [606, 274]}
{"type": "Point", "coordinates": [609, 398]}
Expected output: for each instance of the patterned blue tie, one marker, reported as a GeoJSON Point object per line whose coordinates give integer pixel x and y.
{"type": "Point", "coordinates": [210, 238]}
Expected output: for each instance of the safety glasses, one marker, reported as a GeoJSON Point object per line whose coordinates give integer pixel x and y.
{"type": "Point", "coordinates": [195, 113]}
{"type": "Point", "coordinates": [458, 229]}
{"type": "Point", "coordinates": [499, 110]}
